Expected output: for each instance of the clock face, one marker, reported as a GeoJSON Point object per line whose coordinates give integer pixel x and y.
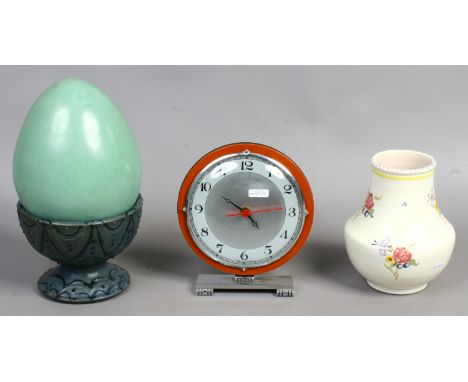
{"type": "Point", "coordinates": [245, 210]}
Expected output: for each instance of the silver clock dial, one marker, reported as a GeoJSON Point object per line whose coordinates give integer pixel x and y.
{"type": "Point", "coordinates": [245, 210]}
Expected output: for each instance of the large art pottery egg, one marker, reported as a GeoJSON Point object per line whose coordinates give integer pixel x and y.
{"type": "Point", "coordinates": [77, 171]}
{"type": "Point", "coordinates": [76, 159]}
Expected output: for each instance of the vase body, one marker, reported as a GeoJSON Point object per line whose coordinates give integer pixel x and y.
{"type": "Point", "coordinates": [399, 240]}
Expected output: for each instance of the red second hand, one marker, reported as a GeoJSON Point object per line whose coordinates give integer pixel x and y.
{"type": "Point", "coordinates": [246, 212]}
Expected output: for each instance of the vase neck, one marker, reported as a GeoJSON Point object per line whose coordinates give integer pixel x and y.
{"type": "Point", "coordinates": [415, 189]}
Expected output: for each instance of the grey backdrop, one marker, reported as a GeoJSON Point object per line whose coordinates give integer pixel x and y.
{"type": "Point", "coordinates": [330, 120]}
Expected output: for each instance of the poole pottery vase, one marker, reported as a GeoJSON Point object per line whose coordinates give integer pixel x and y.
{"type": "Point", "coordinates": [399, 240]}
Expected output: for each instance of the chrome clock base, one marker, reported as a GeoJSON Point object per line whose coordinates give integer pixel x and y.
{"type": "Point", "coordinates": [206, 285]}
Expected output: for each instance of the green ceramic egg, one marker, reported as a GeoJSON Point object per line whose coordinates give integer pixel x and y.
{"type": "Point", "coordinates": [76, 158]}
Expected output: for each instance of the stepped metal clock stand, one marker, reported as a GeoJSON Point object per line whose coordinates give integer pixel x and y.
{"type": "Point", "coordinates": [207, 284]}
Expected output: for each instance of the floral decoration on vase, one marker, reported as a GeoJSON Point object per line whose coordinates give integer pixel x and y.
{"type": "Point", "coordinates": [395, 259]}
{"type": "Point", "coordinates": [432, 200]}
{"type": "Point", "coordinates": [369, 204]}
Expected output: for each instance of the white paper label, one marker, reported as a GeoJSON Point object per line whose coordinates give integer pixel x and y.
{"type": "Point", "coordinates": [258, 193]}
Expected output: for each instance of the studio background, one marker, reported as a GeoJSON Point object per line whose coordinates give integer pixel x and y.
{"type": "Point", "coordinates": [329, 120]}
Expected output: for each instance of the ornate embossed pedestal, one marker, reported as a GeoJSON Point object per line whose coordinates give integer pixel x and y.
{"type": "Point", "coordinates": [82, 250]}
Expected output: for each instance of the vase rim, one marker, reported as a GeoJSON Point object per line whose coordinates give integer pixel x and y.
{"type": "Point", "coordinates": [403, 162]}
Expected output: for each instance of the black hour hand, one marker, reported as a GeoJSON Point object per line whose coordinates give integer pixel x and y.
{"type": "Point", "coordinates": [229, 201]}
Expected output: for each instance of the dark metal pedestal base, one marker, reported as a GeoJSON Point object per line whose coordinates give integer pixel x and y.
{"type": "Point", "coordinates": [84, 285]}
{"type": "Point", "coordinates": [283, 286]}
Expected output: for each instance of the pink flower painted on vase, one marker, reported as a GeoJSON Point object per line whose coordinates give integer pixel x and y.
{"type": "Point", "coordinates": [395, 259]}
{"type": "Point", "coordinates": [402, 255]}
{"type": "Point", "coordinates": [369, 204]}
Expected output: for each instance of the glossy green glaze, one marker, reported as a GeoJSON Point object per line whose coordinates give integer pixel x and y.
{"type": "Point", "coordinates": [76, 159]}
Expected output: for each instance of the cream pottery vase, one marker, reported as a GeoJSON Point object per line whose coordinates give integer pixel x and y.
{"type": "Point", "coordinates": [399, 241]}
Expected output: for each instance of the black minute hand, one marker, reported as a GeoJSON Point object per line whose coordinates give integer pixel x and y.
{"type": "Point", "coordinates": [229, 201]}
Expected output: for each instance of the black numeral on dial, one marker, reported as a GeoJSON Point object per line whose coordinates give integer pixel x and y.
{"type": "Point", "coordinates": [198, 208]}
{"type": "Point", "coordinates": [244, 256]}
{"type": "Point", "coordinates": [205, 187]}
{"type": "Point", "coordinates": [284, 235]}
{"type": "Point", "coordinates": [247, 165]}
{"type": "Point", "coordinates": [220, 247]}
{"type": "Point", "coordinates": [204, 232]}
{"type": "Point", "coordinates": [292, 212]}
{"type": "Point", "coordinates": [268, 250]}
{"type": "Point", "coordinates": [287, 189]}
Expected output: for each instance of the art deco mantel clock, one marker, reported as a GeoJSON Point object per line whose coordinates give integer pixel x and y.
{"type": "Point", "coordinates": [245, 209]}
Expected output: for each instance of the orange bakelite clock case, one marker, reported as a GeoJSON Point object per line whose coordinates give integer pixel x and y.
{"type": "Point", "coordinates": [245, 208]}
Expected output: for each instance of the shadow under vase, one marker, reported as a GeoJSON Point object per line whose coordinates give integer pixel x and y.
{"type": "Point", "coordinates": [82, 251]}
